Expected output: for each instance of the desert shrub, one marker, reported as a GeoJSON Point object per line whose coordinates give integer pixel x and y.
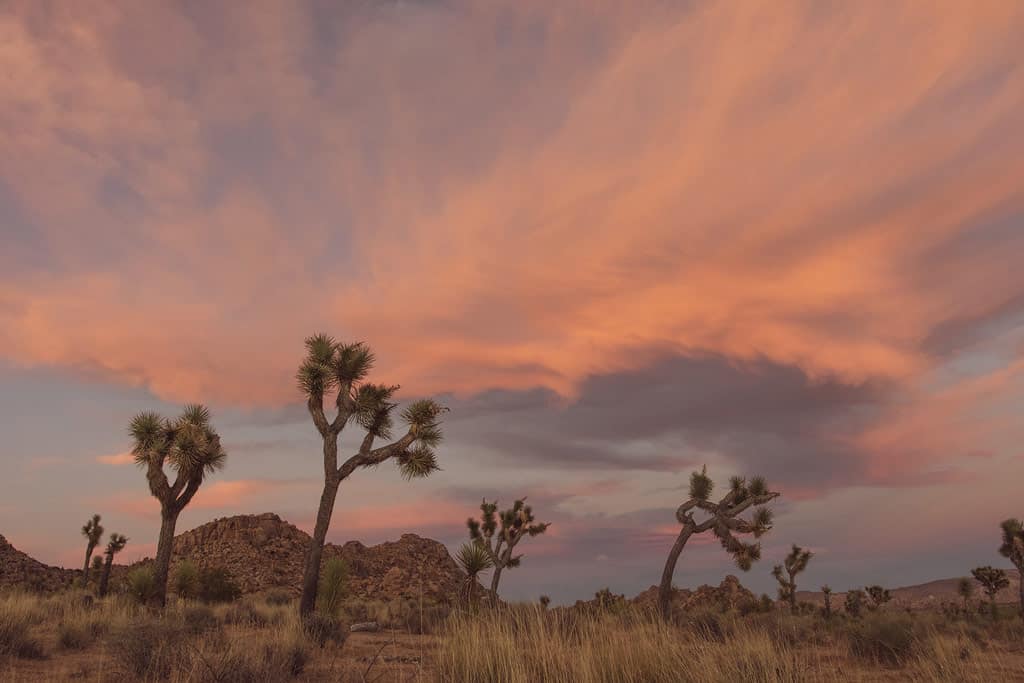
{"type": "Point", "coordinates": [287, 658]}
{"type": "Point", "coordinates": [333, 587]}
{"type": "Point", "coordinates": [74, 636]}
{"type": "Point", "coordinates": [278, 598]}
{"type": "Point", "coordinates": [887, 639]}
{"type": "Point", "coordinates": [322, 629]}
{"type": "Point", "coordinates": [709, 624]}
{"type": "Point", "coordinates": [216, 584]}
{"type": "Point", "coordinates": [198, 618]}
{"type": "Point", "coordinates": [186, 580]}
{"type": "Point", "coordinates": [140, 584]}
{"type": "Point", "coordinates": [15, 640]}
{"type": "Point", "coordinates": [149, 649]}
{"type": "Point", "coordinates": [245, 613]}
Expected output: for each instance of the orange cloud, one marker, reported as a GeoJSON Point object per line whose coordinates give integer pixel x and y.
{"type": "Point", "coordinates": [783, 184]}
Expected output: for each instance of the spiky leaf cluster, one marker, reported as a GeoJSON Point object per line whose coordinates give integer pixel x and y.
{"type": "Point", "coordinates": [992, 580]}
{"type": "Point", "coordinates": [1012, 547]}
{"type": "Point", "coordinates": [93, 531]}
{"type": "Point", "coordinates": [116, 543]}
{"type": "Point", "coordinates": [701, 485]}
{"type": "Point", "coordinates": [418, 461]}
{"type": "Point", "coordinates": [473, 559]}
{"type": "Point", "coordinates": [188, 444]}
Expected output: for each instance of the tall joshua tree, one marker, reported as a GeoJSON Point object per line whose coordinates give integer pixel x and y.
{"type": "Point", "coordinates": [93, 532]}
{"type": "Point", "coordinates": [511, 526]}
{"type": "Point", "coordinates": [191, 447]}
{"type": "Point", "coordinates": [723, 520]}
{"type": "Point", "coordinates": [330, 367]}
{"type": "Point", "coordinates": [474, 560]}
{"type": "Point", "coordinates": [1013, 549]}
{"type": "Point", "coordinates": [794, 563]}
{"type": "Point", "coordinates": [115, 544]}
{"type": "Point", "coordinates": [992, 581]}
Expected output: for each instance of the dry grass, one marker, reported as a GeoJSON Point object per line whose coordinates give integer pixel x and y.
{"type": "Point", "coordinates": [67, 636]}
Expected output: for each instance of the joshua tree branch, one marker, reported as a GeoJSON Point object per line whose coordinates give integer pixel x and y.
{"type": "Point", "coordinates": [751, 501]}
{"type": "Point", "coordinates": [376, 456]}
{"type": "Point", "coordinates": [316, 410]}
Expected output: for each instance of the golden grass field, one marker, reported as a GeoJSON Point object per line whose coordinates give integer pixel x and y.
{"type": "Point", "coordinates": [61, 637]}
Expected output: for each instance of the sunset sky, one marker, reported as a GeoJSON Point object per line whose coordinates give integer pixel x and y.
{"type": "Point", "coordinates": [618, 240]}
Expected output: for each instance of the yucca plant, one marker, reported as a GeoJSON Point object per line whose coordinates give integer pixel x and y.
{"type": "Point", "coordinates": [992, 581]}
{"type": "Point", "coordinates": [795, 562]}
{"type": "Point", "coordinates": [722, 519]}
{"type": "Point", "coordinates": [186, 580]}
{"type": "Point", "coordinates": [1013, 549]}
{"type": "Point", "coordinates": [333, 587]}
{"type": "Point", "coordinates": [115, 544]}
{"type": "Point", "coordinates": [474, 560]}
{"type": "Point", "coordinates": [332, 367]}
{"type": "Point", "coordinates": [499, 534]}
{"type": "Point", "coordinates": [191, 447]}
{"type": "Point", "coordinates": [93, 532]}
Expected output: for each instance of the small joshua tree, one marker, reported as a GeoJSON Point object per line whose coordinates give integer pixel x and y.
{"type": "Point", "coordinates": [341, 368]}
{"type": "Point", "coordinates": [516, 523]}
{"type": "Point", "coordinates": [723, 520]}
{"type": "Point", "coordinates": [1013, 549]}
{"type": "Point", "coordinates": [474, 560]}
{"type": "Point", "coordinates": [965, 588]}
{"type": "Point", "coordinates": [879, 596]}
{"type": "Point", "coordinates": [115, 544]}
{"type": "Point", "coordinates": [97, 567]}
{"type": "Point", "coordinates": [93, 532]}
{"type": "Point", "coordinates": [545, 601]}
{"type": "Point", "coordinates": [794, 563]}
{"type": "Point", "coordinates": [191, 447]}
{"type": "Point", "coordinates": [992, 581]}
{"type": "Point", "coordinates": [854, 602]}
{"type": "Point", "coordinates": [827, 592]}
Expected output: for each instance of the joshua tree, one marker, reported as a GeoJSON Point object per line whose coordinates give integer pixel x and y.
{"type": "Point", "coordinates": [854, 602]}
{"type": "Point", "coordinates": [879, 596]}
{"type": "Point", "coordinates": [191, 447]}
{"type": "Point", "coordinates": [965, 587]}
{"type": "Point", "coordinates": [1013, 549]}
{"type": "Point", "coordinates": [794, 563]}
{"type": "Point", "coordinates": [115, 544]}
{"type": "Point", "coordinates": [992, 581]}
{"type": "Point", "coordinates": [332, 367]}
{"type": "Point", "coordinates": [474, 559]}
{"type": "Point", "coordinates": [544, 602]}
{"type": "Point", "coordinates": [93, 532]}
{"type": "Point", "coordinates": [723, 520]}
{"type": "Point", "coordinates": [516, 523]}
{"type": "Point", "coordinates": [827, 592]}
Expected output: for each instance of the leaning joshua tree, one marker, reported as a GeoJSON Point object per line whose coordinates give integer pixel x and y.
{"type": "Point", "coordinates": [992, 581]}
{"type": "Point", "coordinates": [93, 532]}
{"type": "Point", "coordinates": [516, 523]}
{"type": "Point", "coordinates": [474, 560]}
{"type": "Point", "coordinates": [794, 563]}
{"type": "Point", "coordinates": [115, 544]}
{"type": "Point", "coordinates": [190, 446]}
{"type": "Point", "coordinates": [339, 369]}
{"type": "Point", "coordinates": [723, 520]}
{"type": "Point", "coordinates": [1013, 549]}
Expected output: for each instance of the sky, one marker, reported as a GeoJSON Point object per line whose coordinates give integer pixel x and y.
{"type": "Point", "coordinates": [619, 240]}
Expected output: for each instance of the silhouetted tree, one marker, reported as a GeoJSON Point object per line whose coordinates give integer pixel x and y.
{"type": "Point", "coordinates": [1013, 549]}
{"type": "Point", "coordinates": [965, 588]}
{"type": "Point", "coordinates": [511, 527]}
{"type": "Point", "coordinates": [827, 592]}
{"type": "Point", "coordinates": [474, 560]}
{"type": "Point", "coordinates": [333, 367]}
{"type": "Point", "coordinates": [723, 520]}
{"type": "Point", "coordinates": [192, 449]}
{"type": "Point", "coordinates": [93, 532]}
{"type": "Point", "coordinates": [115, 544]}
{"type": "Point", "coordinates": [794, 563]}
{"type": "Point", "coordinates": [992, 581]}
{"type": "Point", "coordinates": [879, 596]}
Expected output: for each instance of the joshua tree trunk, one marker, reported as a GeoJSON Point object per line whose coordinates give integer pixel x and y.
{"type": "Point", "coordinates": [162, 565]}
{"type": "Point", "coordinates": [665, 589]}
{"type": "Point", "coordinates": [495, 578]}
{"type": "Point", "coordinates": [105, 576]}
{"type": "Point", "coordinates": [85, 572]}
{"type": "Point", "coordinates": [311, 574]}
{"type": "Point", "coordinates": [792, 593]}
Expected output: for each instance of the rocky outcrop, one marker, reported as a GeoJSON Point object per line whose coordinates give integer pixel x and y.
{"type": "Point", "coordinates": [730, 594]}
{"type": "Point", "coordinates": [19, 570]}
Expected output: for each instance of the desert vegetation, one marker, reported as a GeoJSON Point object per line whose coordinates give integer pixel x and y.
{"type": "Point", "coordinates": [499, 534]}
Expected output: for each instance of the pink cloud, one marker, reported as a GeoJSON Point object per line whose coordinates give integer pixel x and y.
{"type": "Point", "coordinates": [116, 459]}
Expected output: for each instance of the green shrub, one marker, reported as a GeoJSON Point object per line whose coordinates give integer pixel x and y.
{"type": "Point", "coordinates": [140, 584]}
{"type": "Point", "coordinates": [888, 639]}
{"type": "Point", "coordinates": [333, 587]}
{"type": "Point", "coordinates": [216, 584]}
{"type": "Point", "coordinates": [186, 580]}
